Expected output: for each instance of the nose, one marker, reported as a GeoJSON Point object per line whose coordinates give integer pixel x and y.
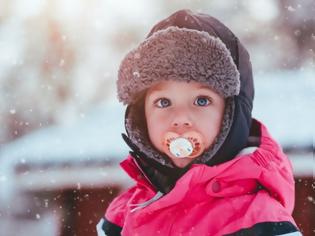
{"type": "Point", "coordinates": [179, 124]}
{"type": "Point", "coordinates": [181, 120]}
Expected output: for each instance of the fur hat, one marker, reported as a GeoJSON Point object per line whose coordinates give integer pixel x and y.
{"type": "Point", "coordinates": [189, 47]}
{"type": "Point", "coordinates": [178, 54]}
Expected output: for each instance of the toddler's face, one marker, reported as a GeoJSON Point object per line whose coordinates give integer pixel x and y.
{"type": "Point", "coordinates": [181, 107]}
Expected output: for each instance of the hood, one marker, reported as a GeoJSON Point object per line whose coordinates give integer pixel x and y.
{"type": "Point", "coordinates": [239, 110]}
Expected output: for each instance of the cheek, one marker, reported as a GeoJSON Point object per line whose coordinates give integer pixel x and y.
{"type": "Point", "coordinates": [156, 129]}
{"type": "Point", "coordinates": [210, 126]}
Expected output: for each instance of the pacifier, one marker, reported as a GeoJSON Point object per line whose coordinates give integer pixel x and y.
{"type": "Point", "coordinates": [189, 144]}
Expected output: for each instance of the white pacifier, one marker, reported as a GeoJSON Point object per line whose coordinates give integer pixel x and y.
{"type": "Point", "coordinates": [189, 144]}
{"type": "Point", "coordinates": [181, 147]}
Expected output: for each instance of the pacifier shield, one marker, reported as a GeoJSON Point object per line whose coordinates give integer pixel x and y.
{"type": "Point", "coordinates": [189, 144]}
{"type": "Point", "coordinates": [181, 147]}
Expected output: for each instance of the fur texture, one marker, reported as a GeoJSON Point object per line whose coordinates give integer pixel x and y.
{"type": "Point", "coordinates": [178, 54]}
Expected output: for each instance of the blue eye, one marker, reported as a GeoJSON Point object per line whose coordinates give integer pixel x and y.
{"type": "Point", "coordinates": [163, 102]}
{"type": "Point", "coordinates": [202, 101]}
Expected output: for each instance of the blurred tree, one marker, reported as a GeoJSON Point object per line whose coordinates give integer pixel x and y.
{"type": "Point", "coordinates": [39, 84]}
{"type": "Point", "coordinates": [297, 22]}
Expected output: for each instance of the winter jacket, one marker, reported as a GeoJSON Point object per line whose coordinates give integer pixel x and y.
{"type": "Point", "coordinates": [252, 194]}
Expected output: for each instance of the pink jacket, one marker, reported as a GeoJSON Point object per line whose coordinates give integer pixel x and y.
{"type": "Point", "coordinates": [251, 188]}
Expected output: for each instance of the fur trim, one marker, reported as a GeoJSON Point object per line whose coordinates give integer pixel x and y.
{"type": "Point", "coordinates": [178, 54]}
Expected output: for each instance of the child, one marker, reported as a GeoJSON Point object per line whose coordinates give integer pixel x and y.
{"type": "Point", "coordinates": [201, 164]}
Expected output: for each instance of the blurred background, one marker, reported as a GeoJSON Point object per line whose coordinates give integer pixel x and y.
{"type": "Point", "coordinates": [61, 124]}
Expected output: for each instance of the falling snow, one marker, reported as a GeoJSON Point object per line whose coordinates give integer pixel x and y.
{"type": "Point", "coordinates": [292, 9]}
{"type": "Point", "coordinates": [55, 142]}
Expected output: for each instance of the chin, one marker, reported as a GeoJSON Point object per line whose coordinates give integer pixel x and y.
{"type": "Point", "coordinates": [181, 162]}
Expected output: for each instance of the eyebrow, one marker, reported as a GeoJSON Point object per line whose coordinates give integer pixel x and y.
{"type": "Point", "coordinates": [159, 88]}
{"type": "Point", "coordinates": [204, 87]}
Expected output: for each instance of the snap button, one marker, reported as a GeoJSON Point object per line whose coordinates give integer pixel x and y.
{"type": "Point", "coordinates": [216, 187]}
